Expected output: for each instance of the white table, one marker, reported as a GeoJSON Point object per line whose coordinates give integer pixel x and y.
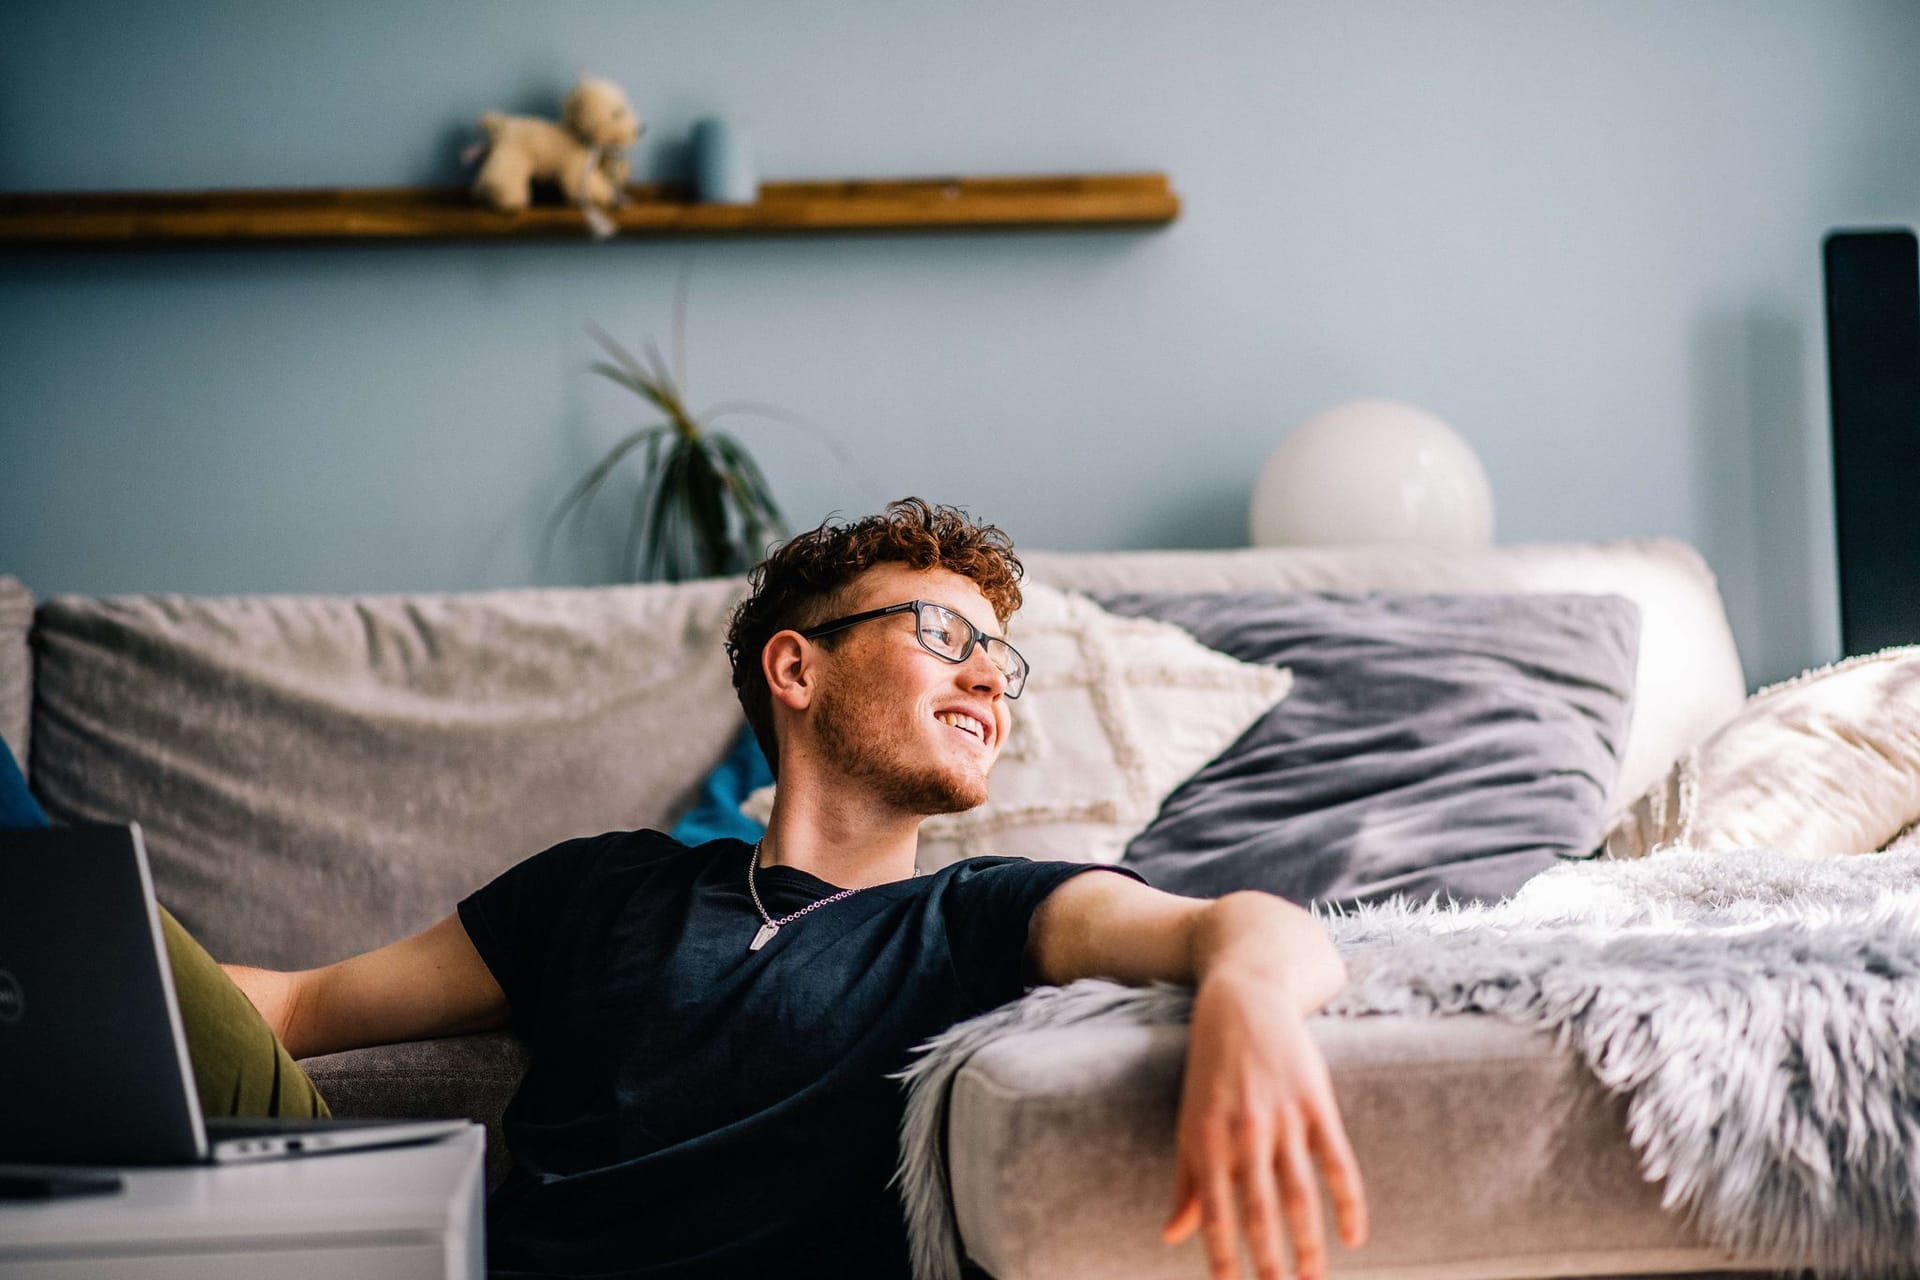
{"type": "Point", "coordinates": [400, 1212]}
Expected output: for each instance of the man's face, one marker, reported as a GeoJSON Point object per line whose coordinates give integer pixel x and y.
{"type": "Point", "coordinates": [922, 731]}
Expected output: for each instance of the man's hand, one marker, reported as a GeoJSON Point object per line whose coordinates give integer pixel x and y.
{"type": "Point", "coordinates": [1258, 1121]}
{"type": "Point", "coordinates": [1258, 1128]}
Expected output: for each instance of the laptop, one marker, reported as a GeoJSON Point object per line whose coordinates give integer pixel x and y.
{"type": "Point", "coordinates": [93, 1061]}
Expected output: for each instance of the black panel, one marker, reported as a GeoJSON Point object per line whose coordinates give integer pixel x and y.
{"type": "Point", "coordinates": [1873, 371]}
{"type": "Point", "coordinates": [92, 1063]}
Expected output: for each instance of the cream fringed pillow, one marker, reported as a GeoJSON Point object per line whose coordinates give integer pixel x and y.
{"type": "Point", "coordinates": [1116, 713]}
{"type": "Point", "coordinates": [1825, 763]}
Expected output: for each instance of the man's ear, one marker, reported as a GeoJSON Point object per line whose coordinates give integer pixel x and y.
{"type": "Point", "coordinates": [787, 663]}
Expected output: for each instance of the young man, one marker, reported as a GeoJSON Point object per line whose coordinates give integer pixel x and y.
{"type": "Point", "coordinates": [712, 1029]}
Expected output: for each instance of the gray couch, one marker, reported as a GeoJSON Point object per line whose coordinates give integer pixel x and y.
{"type": "Point", "coordinates": [317, 776]}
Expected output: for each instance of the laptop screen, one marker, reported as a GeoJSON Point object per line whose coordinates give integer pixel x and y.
{"type": "Point", "coordinates": [93, 1060]}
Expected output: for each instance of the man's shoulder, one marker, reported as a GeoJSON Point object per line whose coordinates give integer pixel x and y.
{"type": "Point", "coordinates": [1041, 866]}
{"type": "Point", "coordinates": [648, 845]}
{"type": "Point", "coordinates": [1001, 868]}
{"type": "Point", "coordinates": [967, 868]}
{"type": "Point", "coordinates": [616, 850]}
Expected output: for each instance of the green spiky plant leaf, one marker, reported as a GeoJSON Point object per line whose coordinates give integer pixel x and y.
{"type": "Point", "coordinates": [703, 507]}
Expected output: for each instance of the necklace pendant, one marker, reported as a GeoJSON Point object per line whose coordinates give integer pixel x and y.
{"type": "Point", "coordinates": [761, 938]}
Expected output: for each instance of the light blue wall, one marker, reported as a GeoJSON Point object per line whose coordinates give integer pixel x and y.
{"type": "Point", "coordinates": [1587, 234]}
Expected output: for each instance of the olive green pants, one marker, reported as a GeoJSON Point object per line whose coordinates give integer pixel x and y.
{"type": "Point", "coordinates": [239, 1065]}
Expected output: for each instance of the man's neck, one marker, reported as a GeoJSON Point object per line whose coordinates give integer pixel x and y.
{"type": "Point", "coordinates": [840, 835]}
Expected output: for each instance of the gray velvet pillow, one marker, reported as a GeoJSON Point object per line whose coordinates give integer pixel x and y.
{"type": "Point", "coordinates": [1433, 745]}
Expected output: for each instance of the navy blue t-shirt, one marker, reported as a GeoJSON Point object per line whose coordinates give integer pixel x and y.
{"type": "Point", "coordinates": [697, 1109]}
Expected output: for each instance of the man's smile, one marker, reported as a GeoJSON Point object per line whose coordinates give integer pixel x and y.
{"type": "Point", "coordinates": [968, 723]}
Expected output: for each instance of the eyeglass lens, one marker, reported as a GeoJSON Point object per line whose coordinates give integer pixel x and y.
{"type": "Point", "coordinates": [949, 634]}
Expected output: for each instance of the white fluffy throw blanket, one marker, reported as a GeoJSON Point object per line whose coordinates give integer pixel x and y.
{"type": "Point", "coordinates": [1760, 1011]}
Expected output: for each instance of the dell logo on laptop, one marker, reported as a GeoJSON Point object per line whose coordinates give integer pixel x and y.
{"type": "Point", "coordinates": [13, 1002]}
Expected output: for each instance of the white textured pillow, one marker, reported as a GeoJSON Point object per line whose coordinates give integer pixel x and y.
{"type": "Point", "coordinates": [1825, 763]}
{"type": "Point", "coordinates": [1116, 714]}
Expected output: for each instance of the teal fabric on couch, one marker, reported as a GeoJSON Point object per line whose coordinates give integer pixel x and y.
{"type": "Point", "coordinates": [18, 808]}
{"type": "Point", "coordinates": [716, 814]}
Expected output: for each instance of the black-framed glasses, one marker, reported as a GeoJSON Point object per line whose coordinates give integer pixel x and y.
{"type": "Point", "coordinates": [943, 633]}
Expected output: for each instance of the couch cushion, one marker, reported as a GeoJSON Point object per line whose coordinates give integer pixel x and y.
{"type": "Point", "coordinates": [1825, 763]}
{"type": "Point", "coordinates": [461, 1076]}
{"type": "Point", "coordinates": [16, 667]}
{"type": "Point", "coordinates": [1433, 745]}
{"type": "Point", "coordinates": [1486, 1151]}
{"type": "Point", "coordinates": [318, 776]}
{"type": "Point", "coordinates": [1687, 680]}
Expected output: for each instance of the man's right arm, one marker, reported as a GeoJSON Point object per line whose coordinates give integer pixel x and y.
{"type": "Point", "coordinates": [432, 984]}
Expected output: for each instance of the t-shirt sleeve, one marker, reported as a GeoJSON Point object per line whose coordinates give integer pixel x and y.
{"type": "Point", "coordinates": [988, 910]}
{"type": "Point", "coordinates": [512, 919]}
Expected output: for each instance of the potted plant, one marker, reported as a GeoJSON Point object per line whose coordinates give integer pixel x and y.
{"type": "Point", "coordinates": [703, 508]}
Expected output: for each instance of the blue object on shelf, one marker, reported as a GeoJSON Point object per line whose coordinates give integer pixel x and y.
{"type": "Point", "coordinates": [723, 171]}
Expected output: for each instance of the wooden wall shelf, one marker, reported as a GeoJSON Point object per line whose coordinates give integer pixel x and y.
{"type": "Point", "coordinates": [373, 214]}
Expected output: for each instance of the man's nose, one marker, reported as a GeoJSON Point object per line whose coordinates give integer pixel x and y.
{"type": "Point", "coordinates": [983, 673]}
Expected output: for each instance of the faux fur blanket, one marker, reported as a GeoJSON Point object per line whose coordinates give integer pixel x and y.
{"type": "Point", "coordinates": [1760, 1011]}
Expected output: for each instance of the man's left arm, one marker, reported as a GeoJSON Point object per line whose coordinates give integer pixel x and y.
{"type": "Point", "coordinates": [1257, 1111]}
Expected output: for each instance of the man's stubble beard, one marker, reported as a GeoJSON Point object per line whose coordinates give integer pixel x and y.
{"type": "Point", "coordinates": [853, 732]}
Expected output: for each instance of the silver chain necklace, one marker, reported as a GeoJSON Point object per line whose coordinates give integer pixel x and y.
{"type": "Point", "coordinates": [772, 926]}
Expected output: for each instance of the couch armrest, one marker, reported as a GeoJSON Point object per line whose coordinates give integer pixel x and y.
{"type": "Point", "coordinates": [459, 1076]}
{"type": "Point", "coordinates": [1488, 1150]}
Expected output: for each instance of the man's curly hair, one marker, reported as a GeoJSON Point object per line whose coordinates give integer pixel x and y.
{"type": "Point", "coordinates": [806, 581]}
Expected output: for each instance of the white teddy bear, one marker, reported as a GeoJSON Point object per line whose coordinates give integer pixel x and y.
{"type": "Point", "coordinates": [585, 156]}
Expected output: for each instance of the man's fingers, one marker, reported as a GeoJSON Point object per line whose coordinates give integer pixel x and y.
{"type": "Point", "coordinates": [1342, 1172]}
{"type": "Point", "coordinates": [1186, 1205]}
{"type": "Point", "coordinates": [1260, 1205]}
{"type": "Point", "coordinates": [1217, 1230]}
{"type": "Point", "coordinates": [1186, 1220]}
{"type": "Point", "coordinates": [1302, 1200]}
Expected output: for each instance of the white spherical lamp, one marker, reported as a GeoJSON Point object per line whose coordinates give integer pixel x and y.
{"type": "Point", "coordinates": [1373, 471]}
